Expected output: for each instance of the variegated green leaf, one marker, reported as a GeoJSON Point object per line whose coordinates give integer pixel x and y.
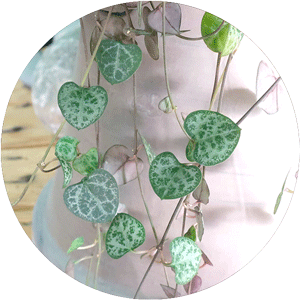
{"type": "Point", "coordinates": [191, 233]}
{"type": "Point", "coordinates": [78, 242]}
{"type": "Point", "coordinates": [118, 62]}
{"type": "Point", "coordinates": [215, 136]}
{"type": "Point", "coordinates": [66, 148]}
{"type": "Point", "coordinates": [124, 234]}
{"type": "Point", "coordinates": [86, 163]}
{"type": "Point", "coordinates": [170, 179]}
{"type": "Point", "coordinates": [226, 40]}
{"type": "Point", "coordinates": [150, 153]}
{"type": "Point", "coordinates": [68, 172]}
{"type": "Point", "coordinates": [186, 257]}
{"type": "Point", "coordinates": [80, 106]}
{"type": "Point", "coordinates": [189, 151]}
{"type": "Point", "coordinates": [95, 198]}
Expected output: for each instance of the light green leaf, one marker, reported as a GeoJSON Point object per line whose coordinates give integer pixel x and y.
{"type": "Point", "coordinates": [214, 134]}
{"type": "Point", "coordinates": [124, 234]}
{"type": "Point", "coordinates": [226, 40]}
{"type": "Point", "coordinates": [118, 163]}
{"type": "Point", "coordinates": [68, 172]}
{"type": "Point", "coordinates": [95, 198]}
{"type": "Point", "coordinates": [201, 193]}
{"type": "Point", "coordinates": [80, 106]}
{"type": "Point", "coordinates": [118, 62]}
{"type": "Point", "coordinates": [200, 225]}
{"type": "Point", "coordinates": [191, 233]}
{"type": "Point", "coordinates": [189, 152]}
{"type": "Point", "coordinates": [150, 153]}
{"type": "Point", "coordinates": [280, 195]}
{"type": "Point", "coordinates": [78, 242]}
{"type": "Point", "coordinates": [165, 105]}
{"type": "Point", "coordinates": [86, 163]}
{"type": "Point", "coordinates": [66, 148]}
{"type": "Point", "coordinates": [170, 179]}
{"type": "Point", "coordinates": [186, 257]}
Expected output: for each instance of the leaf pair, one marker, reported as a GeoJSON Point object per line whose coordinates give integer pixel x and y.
{"type": "Point", "coordinates": [214, 137]}
{"type": "Point", "coordinates": [226, 40]}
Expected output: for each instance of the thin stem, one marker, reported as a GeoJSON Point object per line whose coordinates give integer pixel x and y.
{"type": "Point", "coordinates": [128, 16]}
{"type": "Point", "coordinates": [175, 292]}
{"type": "Point", "coordinates": [89, 272]}
{"type": "Point", "coordinates": [99, 255]}
{"type": "Point", "coordinates": [183, 221]}
{"type": "Point", "coordinates": [88, 246]}
{"type": "Point", "coordinates": [165, 69]}
{"type": "Point", "coordinates": [51, 170]}
{"type": "Point", "coordinates": [83, 259]}
{"type": "Point", "coordinates": [85, 46]}
{"type": "Point", "coordinates": [152, 5]}
{"type": "Point", "coordinates": [259, 101]}
{"type": "Point", "coordinates": [201, 37]}
{"type": "Point", "coordinates": [96, 48]}
{"type": "Point", "coordinates": [161, 244]}
{"type": "Point", "coordinates": [216, 75]}
{"type": "Point", "coordinates": [224, 80]}
{"type": "Point", "coordinates": [134, 113]}
{"type": "Point", "coordinates": [212, 102]}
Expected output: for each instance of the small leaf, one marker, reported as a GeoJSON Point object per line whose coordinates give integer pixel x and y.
{"type": "Point", "coordinates": [118, 62]}
{"type": "Point", "coordinates": [186, 257]}
{"type": "Point", "coordinates": [95, 198]}
{"type": "Point", "coordinates": [191, 233]}
{"type": "Point", "coordinates": [150, 153]}
{"type": "Point", "coordinates": [86, 163]}
{"type": "Point", "coordinates": [165, 105]}
{"type": "Point", "coordinates": [280, 195]}
{"type": "Point", "coordinates": [214, 134]}
{"type": "Point", "coordinates": [201, 193]}
{"type": "Point", "coordinates": [78, 242]}
{"type": "Point", "coordinates": [170, 292]}
{"type": "Point", "coordinates": [80, 106]}
{"type": "Point", "coordinates": [189, 152]}
{"type": "Point", "coordinates": [66, 148]}
{"type": "Point", "coordinates": [225, 40]}
{"type": "Point", "coordinates": [265, 78]}
{"type": "Point", "coordinates": [70, 268]}
{"type": "Point", "coordinates": [173, 18]}
{"type": "Point", "coordinates": [206, 259]}
{"type": "Point", "coordinates": [170, 179]}
{"type": "Point", "coordinates": [200, 225]}
{"type": "Point", "coordinates": [124, 234]}
{"type": "Point", "coordinates": [68, 172]}
{"type": "Point", "coordinates": [195, 285]}
{"type": "Point", "coordinates": [118, 163]}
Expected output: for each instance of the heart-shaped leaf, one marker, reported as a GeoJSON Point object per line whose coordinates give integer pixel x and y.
{"type": "Point", "coordinates": [86, 163]}
{"type": "Point", "coordinates": [225, 40]}
{"type": "Point", "coordinates": [124, 234]}
{"type": "Point", "coordinates": [170, 292]}
{"type": "Point", "coordinates": [265, 78]}
{"type": "Point", "coordinates": [78, 242]}
{"type": "Point", "coordinates": [95, 198]}
{"type": "Point", "coordinates": [214, 134]}
{"type": "Point", "coordinates": [68, 172]}
{"type": "Point", "coordinates": [150, 153]}
{"type": "Point", "coordinates": [118, 62]}
{"type": "Point", "coordinates": [66, 148]}
{"type": "Point", "coordinates": [193, 286]}
{"type": "Point", "coordinates": [170, 179]}
{"type": "Point", "coordinates": [118, 163]}
{"type": "Point", "coordinates": [201, 193]}
{"type": "Point", "coordinates": [186, 257]}
{"type": "Point", "coordinates": [80, 106]}
{"type": "Point", "coordinates": [191, 233]}
{"type": "Point", "coordinates": [165, 105]}
{"type": "Point", "coordinates": [173, 18]}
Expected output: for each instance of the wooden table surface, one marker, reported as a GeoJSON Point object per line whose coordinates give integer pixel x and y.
{"type": "Point", "coordinates": [24, 141]}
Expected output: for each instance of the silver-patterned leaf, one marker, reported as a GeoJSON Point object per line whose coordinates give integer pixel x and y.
{"type": "Point", "coordinates": [173, 18]}
{"type": "Point", "coordinates": [124, 234]}
{"type": "Point", "coordinates": [170, 179]}
{"type": "Point", "coordinates": [68, 172]}
{"type": "Point", "coordinates": [118, 62]}
{"type": "Point", "coordinates": [150, 153]}
{"type": "Point", "coordinates": [118, 163]}
{"type": "Point", "coordinates": [186, 257]}
{"type": "Point", "coordinates": [66, 148]}
{"type": "Point", "coordinates": [201, 193]}
{"type": "Point", "coordinates": [95, 198]}
{"type": "Point", "coordinates": [80, 106]}
{"type": "Point", "coordinates": [215, 136]}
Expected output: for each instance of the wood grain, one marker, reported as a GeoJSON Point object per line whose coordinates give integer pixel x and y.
{"type": "Point", "coordinates": [24, 141]}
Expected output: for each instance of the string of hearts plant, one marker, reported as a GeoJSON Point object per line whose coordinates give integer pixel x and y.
{"type": "Point", "coordinates": [211, 139]}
